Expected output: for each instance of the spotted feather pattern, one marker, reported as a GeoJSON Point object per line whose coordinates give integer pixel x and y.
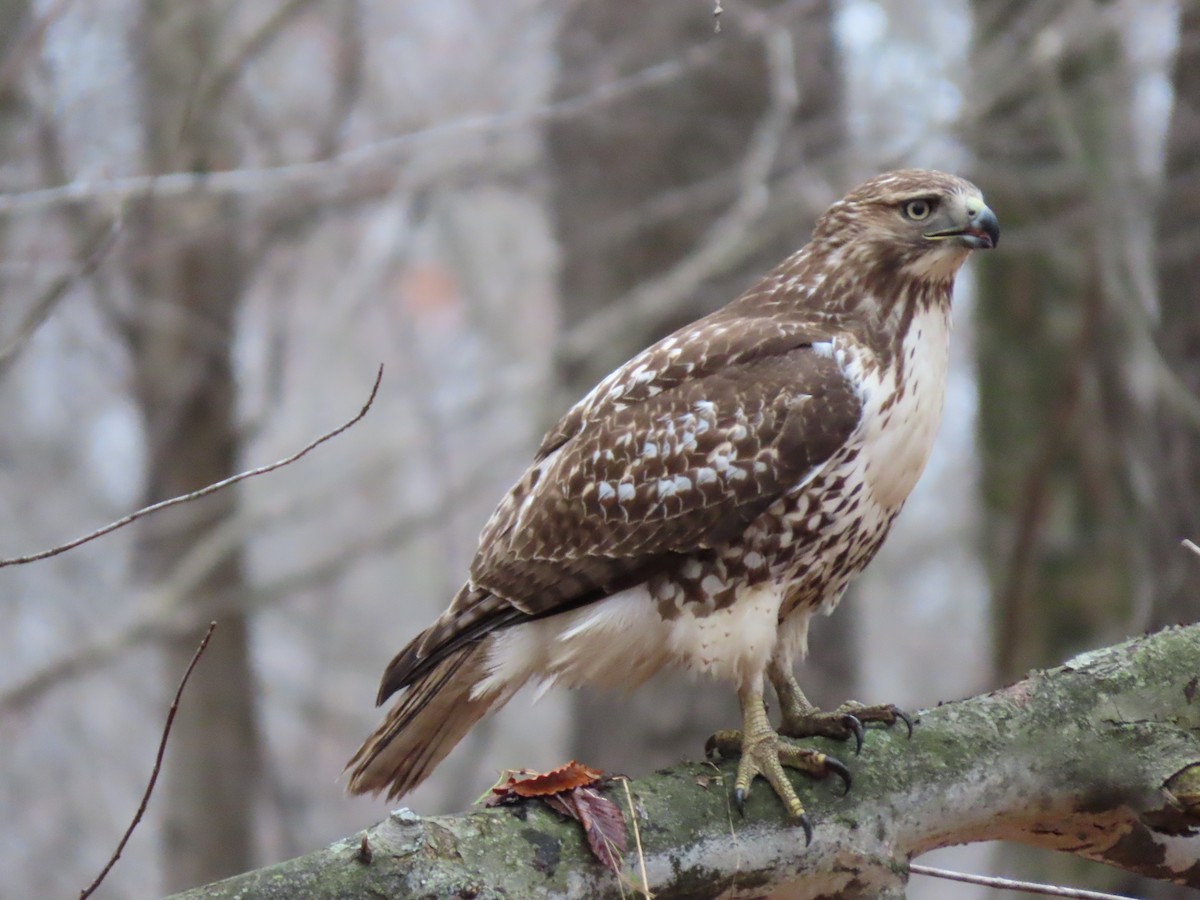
{"type": "Point", "coordinates": [772, 442]}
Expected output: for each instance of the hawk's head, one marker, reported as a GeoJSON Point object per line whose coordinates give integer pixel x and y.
{"type": "Point", "coordinates": [912, 221]}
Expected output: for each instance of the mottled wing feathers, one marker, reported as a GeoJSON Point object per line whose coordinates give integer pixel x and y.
{"type": "Point", "coordinates": [673, 453]}
{"type": "Point", "coordinates": [636, 417]}
{"type": "Point", "coordinates": [721, 339]}
{"type": "Point", "coordinates": [681, 471]}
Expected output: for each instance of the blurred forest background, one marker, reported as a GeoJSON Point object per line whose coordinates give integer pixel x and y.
{"type": "Point", "coordinates": [217, 218]}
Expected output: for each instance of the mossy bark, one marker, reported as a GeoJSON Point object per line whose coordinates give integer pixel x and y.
{"type": "Point", "coordinates": [1098, 757]}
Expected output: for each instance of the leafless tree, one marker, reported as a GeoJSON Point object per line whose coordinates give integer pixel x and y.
{"type": "Point", "coordinates": [188, 274]}
{"type": "Point", "coordinates": [1065, 367]}
{"type": "Point", "coordinates": [1172, 506]}
{"type": "Point", "coordinates": [216, 220]}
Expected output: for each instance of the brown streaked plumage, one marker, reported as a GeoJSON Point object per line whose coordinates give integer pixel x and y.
{"type": "Point", "coordinates": [710, 495]}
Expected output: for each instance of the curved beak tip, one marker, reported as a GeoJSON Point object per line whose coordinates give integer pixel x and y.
{"type": "Point", "coordinates": [982, 231]}
{"type": "Point", "coordinates": [985, 229]}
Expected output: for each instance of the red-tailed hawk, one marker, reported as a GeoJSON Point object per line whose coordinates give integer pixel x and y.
{"type": "Point", "coordinates": [710, 495]}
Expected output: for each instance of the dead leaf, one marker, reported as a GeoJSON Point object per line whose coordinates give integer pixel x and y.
{"type": "Point", "coordinates": [602, 820]}
{"type": "Point", "coordinates": [568, 790]}
{"type": "Point", "coordinates": [526, 783]}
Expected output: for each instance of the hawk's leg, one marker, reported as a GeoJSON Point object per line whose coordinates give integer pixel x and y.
{"type": "Point", "coordinates": [764, 752]}
{"type": "Point", "coordinates": [800, 718]}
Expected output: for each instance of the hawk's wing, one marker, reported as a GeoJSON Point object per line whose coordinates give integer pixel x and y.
{"type": "Point", "coordinates": [674, 452]}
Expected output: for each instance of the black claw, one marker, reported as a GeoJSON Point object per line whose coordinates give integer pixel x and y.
{"type": "Point", "coordinates": [903, 717]}
{"type": "Point", "coordinates": [710, 748]}
{"type": "Point", "coordinates": [739, 800]}
{"type": "Point", "coordinates": [807, 826]}
{"type": "Point", "coordinates": [856, 727]}
{"type": "Point", "coordinates": [835, 766]}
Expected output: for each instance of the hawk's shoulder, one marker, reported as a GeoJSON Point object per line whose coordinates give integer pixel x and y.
{"type": "Point", "coordinates": [721, 340]}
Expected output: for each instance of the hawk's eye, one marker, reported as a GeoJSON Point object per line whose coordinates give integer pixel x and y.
{"type": "Point", "coordinates": [917, 210]}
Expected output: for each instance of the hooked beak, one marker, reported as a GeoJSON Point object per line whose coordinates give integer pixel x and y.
{"type": "Point", "coordinates": [980, 230]}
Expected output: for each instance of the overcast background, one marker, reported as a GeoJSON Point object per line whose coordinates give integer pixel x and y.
{"type": "Point", "coordinates": [218, 218]}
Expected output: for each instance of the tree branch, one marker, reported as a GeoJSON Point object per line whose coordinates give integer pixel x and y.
{"type": "Point", "coordinates": [202, 492]}
{"type": "Point", "coordinates": [1007, 884]}
{"type": "Point", "coordinates": [727, 239]}
{"type": "Point", "coordinates": [158, 761]}
{"type": "Point", "coordinates": [377, 158]}
{"type": "Point", "coordinates": [1099, 757]}
{"type": "Point", "coordinates": [164, 616]}
{"type": "Point", "coordinates": [96, 248]}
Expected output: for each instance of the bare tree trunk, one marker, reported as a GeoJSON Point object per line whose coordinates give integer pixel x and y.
{"type": "Point", "coordinates": [638, 188]}
{"type": "Point", "coordinates": [188, 276]}
{"type": "Point", "coordinates": [1174, 508]}
{"type": "Point", "coordinates": [1061, 365]}
{"type": "Point", "coordinates": [1051, 137]}
{"type": "Point", "coordinates": [13, 15]}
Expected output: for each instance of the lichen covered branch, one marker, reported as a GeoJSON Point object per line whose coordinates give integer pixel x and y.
{"type": "Point", "coordinates": [1099, 757]}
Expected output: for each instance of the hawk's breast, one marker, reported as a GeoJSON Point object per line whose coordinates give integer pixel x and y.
{"type": "Point", "coordinates": [902, 407]}
{"type": "Point", "coordinates": [718, 610]}
{"type": "Point", "coordinates": [841, 517]}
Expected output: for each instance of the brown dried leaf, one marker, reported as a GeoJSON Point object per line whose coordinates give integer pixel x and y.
{"type": "Point", "coordinates": [516, 783]}
{"type": "Point", "coordinates": [602, 820]}
{"type": "Point", "coordinates": [501, 791]}
{"type": "Point", "coordinates": [566, 790]}
{"type": "Point", "coordinates": [565, 778]}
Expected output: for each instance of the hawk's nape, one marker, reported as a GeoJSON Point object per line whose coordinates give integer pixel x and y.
{"type": "Point", "coordinates": [710, 495]}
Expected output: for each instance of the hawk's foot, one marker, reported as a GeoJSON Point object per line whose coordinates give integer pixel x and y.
{"type": "Point", "coordinates": [765, 753]}
{"type": "Point", "coordinates": [847, 720]}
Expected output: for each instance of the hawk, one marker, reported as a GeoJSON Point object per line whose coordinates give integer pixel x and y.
{"type": "Point", "coordinates": [707, 498]}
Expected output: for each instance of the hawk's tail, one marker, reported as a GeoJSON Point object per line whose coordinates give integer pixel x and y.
{"type": "Point", "coordinates": [433, 715]}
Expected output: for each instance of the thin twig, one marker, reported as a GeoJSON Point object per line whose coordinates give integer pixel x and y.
{"type": "Point", "coordinates": [349, 77]}
{"type": "Point", "coordinates": [725, 241]}
{"type": "Point", "coordinates": [165, 617]}
{"type": "Point", "coordinates": [158, 759]}
{"type": "Point", "coordinates": [202, 492]}
{"type": "Point", "coordinates": [28, 45]}
{"type": "Point", "coordinates": [733, 832]}
{"type": "Point", "coordinates": [41, 309]}
{"type": "Point", "coordinates": [637, 841]}
{"type": "Point", "coordinates": [1131, 297]}
{"type": "Point", "coordinates": [385, 152]}
{"type": "Point", "coordinates": [254, 47]}
{"type": "Point", "coordinates": [1029, 887]}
